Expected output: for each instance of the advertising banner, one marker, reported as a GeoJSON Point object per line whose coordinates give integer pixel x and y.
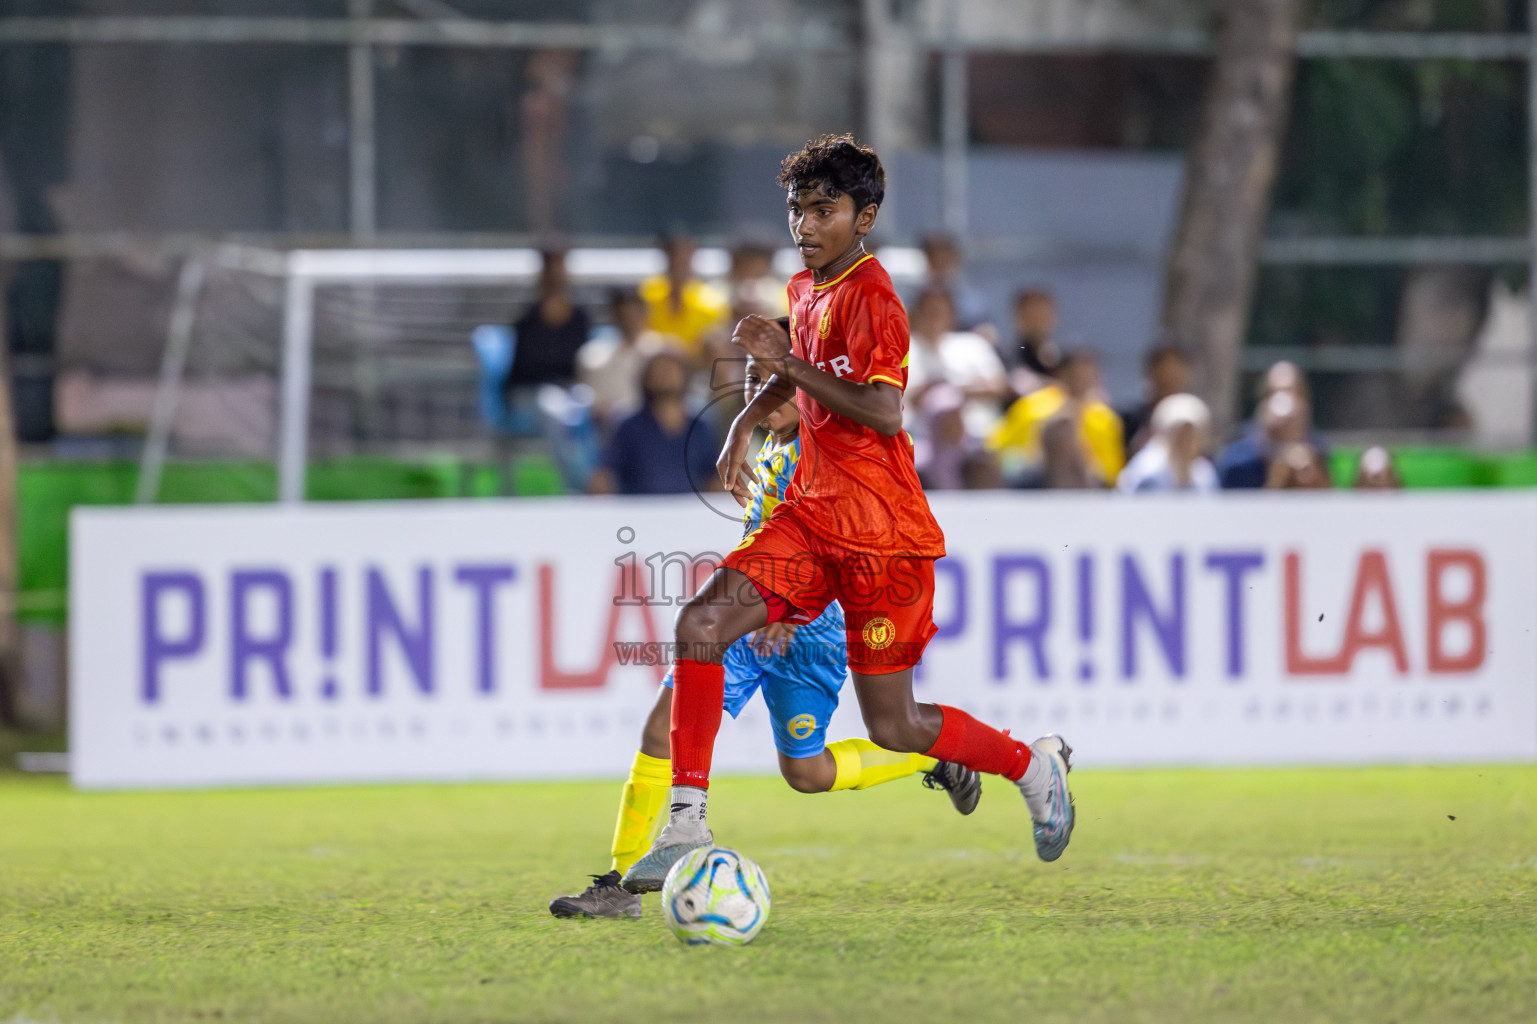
{"type": "Point", "coordinates": [525, 639]}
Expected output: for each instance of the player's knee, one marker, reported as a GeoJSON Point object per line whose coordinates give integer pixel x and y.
{"type": "Point", "coordinates": [802, 781]}
{"type": "Point", "coordinates": [699, 624]}
{"type": "Point", "coordinates": [894, 732]}
{"type": "Point", "coordinates": [814, 774]}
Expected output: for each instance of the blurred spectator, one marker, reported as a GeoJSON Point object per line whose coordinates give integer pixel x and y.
{"type": "Point", "coordinates": [678, 304]}
{"type": "Point", "coordinates": [947, 271]}
{"type": "Point", "coordinates": [939, 354]}
{"type": "Point", "coordinates": [981, 472]}
{"type": "Point", "coordinates": [1285, 376]}
{"type": "Point", "coordinates": [753, 290]}
{"type": "Point", "coordinates": [652, 451]}
{"type": "Point", "coordinates": [1171, 460]}
{"type": "Point", "coordinates": [754, 286]}
{"type": "Point", "coordinates": [1165, 372]}
{"type": "Point", "coordinates": [548, 336]}
{"type": "Point", "coordinates": [1065, 463]}
{"type": "Point", "coordinates": [1298, 466]}
{"type": "Point", "coordinates": [948, 457]}
{"type": "Point", "coordinates": [1284, 415]}
{"type": "Point", "coordinates": [1375, 471]}
{"type": "Point", "coordinates": [1076, 397]}
{"type": "Point", "coordinates": [612, 360]}
{"type": "Point", "coordinates": [1034, 359]}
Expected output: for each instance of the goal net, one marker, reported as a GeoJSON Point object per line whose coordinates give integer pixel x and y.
{"type": "Point", "coordinates": [319, 354]}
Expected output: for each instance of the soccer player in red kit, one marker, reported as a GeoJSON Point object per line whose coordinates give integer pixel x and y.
{"type": "Point", "coordinates": [854, 526]}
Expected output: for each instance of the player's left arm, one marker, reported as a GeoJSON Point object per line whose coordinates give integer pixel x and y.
{"type": "Point", "coordinates": [877, 405]}
{"type": "Point", "coordinates": [732, 466]}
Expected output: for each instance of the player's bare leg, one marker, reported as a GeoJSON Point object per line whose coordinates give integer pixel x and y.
{"type": "Point", "coordinates": [897, 721]}
{"type": "Point", "coordinates": [815, 774]}
{"type": "Point", "coordinates": [653, 735]}
{"type": "Point", "coordinates": [726, 608]}
{"type": "Point", "coordinates": [861, 764]}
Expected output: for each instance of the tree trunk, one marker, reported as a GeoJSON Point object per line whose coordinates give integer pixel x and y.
{"type": "Point", "coordinates": [1231, 171]}
{"type": "Point", "coordinates": [10, 648]}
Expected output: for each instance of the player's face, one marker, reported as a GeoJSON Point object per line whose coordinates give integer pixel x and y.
{"type": "Point", "coordinates": [824, 228]}
{"type": "Point", "coordinates": [784, 417]}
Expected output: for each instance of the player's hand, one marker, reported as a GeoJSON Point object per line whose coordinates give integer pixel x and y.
{"type": "Point", "coordinates": [762, 339]}
{"type": "Point", "coordinates": [735, 475]}
{"type": "Point", "coordinates": [773, 639]}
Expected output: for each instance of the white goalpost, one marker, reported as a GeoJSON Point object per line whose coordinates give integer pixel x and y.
{"type": "Point", "coordinates": [306, 269]}
{"type": "Point", "coordinates": [412, 309]}
{"type": "Point", "coordinates": [301, 277]}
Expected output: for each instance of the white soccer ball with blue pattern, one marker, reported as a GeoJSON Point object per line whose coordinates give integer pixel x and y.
{"type": "Point", "coordinates": [715, 895]}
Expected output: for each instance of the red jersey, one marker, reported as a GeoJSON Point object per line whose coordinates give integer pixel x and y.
{"type": "Point", "coordinates": [855, 486]}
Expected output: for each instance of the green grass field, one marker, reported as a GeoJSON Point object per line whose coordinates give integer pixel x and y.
{"type": "Point", "coordinates": [1327, 895]}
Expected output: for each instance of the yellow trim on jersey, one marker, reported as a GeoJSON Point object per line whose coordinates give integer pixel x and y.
{"type": "Point", "coordinates": [846, 273]}
{"type": "Point", "coordinates": [885, 379]}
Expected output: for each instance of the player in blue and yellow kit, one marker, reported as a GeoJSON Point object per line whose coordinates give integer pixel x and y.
{"type": "Point", "coordinates": [800, 670]}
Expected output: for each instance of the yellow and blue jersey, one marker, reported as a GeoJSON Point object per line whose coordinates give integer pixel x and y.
{"type": "Point", "coordinates": [771, 480]}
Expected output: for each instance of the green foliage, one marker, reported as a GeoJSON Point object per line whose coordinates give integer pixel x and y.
{"type": "Point", "coordinates": [1319, 895]}
{"type": "Point", "coordinates": [1390, 148]}
{"type": "Point", "coordinates": [1325, 305]}
{"type": "Point", "coordinates": [1408, 15]}
{"type": "Point", "coordinates": [48, 490]}
{"type": "Point", "coordinates": [1379, 147]}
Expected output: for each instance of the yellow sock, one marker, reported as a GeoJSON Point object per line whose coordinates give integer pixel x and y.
{"type": "Point", "coordinates": [644, 793]}
{"type": "Point", "coordinates": [861, 764]}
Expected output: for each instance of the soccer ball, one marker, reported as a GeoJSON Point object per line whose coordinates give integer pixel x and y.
{"type": "Point", "coordinates": [715, 895]}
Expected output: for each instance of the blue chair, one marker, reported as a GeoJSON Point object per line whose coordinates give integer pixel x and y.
{"type": "Point", "coordinates": [555, 421]}
{"type": "Point", "coordinates": [495, 346]}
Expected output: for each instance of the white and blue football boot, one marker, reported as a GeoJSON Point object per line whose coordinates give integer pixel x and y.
{"type": "Point", "coordinates": [1046, 795]}
{"type": "Point", "coordinates": [671, 846]}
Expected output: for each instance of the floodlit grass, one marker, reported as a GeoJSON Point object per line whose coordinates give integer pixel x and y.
{"type": "Point", "coordinates": [1328, 895]}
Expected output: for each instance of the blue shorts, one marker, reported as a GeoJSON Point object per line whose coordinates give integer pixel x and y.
{"type": "Point", "coordinates": [800, 686]}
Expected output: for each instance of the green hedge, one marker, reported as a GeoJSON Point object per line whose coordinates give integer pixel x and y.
{"type": "Point", "coordinates": [1445, 467]}
{"type": "Point", "coordinates": [46, 491]}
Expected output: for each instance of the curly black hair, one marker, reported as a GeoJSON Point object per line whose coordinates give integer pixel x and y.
{"type": "Point", "coordinates": [837, 164]}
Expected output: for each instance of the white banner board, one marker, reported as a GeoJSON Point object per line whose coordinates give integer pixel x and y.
{"type": "Point", "coordinates": [460, 640]}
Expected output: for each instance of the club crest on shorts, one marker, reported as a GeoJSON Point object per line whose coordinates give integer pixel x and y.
{"type": "Point", "coordinates": [802, 726]}
{"type": "Point", "coordinates": [879, 633]}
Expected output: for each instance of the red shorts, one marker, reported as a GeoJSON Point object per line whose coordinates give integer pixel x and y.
{"type": "Point", "coordinates": [888, 600]}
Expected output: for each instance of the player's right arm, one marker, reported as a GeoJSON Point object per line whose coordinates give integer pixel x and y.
{"type": "Point", "coordinates": [875, 404]}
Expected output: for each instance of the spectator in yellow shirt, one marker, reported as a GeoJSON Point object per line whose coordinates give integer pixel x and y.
{"type": "Point", "coordinates": [1076, 397]}
{"type": "Point", "coordinates": [678, 304]}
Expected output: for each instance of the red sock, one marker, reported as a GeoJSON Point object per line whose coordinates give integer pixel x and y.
{"type": "Point", "coordinates": [965, 741]}
{"type": "Point", "coordinates": [698, 694]}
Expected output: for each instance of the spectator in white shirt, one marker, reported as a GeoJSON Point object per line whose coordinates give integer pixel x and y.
{"type": "Point", "coordinates": [611, 361]}
{"type": "Point", "coordinates": [1172, 460]}
{"type": "Point", "coordinates": [947, 271]}
{"type": "Point", "coordinates": [939, 354]}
